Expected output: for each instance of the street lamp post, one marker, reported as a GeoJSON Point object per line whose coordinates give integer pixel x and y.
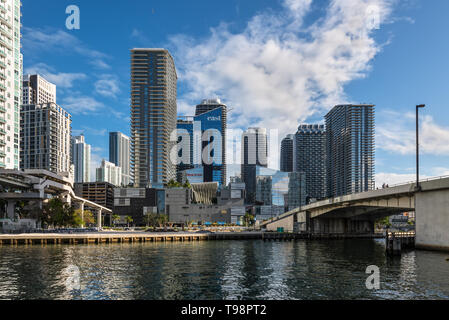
{"type": "Point", "coordinates": [418, 186]}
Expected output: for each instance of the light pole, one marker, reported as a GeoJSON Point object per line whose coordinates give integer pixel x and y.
{"type": "Point", "coordinates": [418, 186]}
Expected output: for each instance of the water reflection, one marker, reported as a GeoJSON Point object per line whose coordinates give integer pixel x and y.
{"type": "Point", "coordinates": [222, 270]}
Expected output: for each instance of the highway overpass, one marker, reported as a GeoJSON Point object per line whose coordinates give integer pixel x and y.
{"type": "Point", "coordinates": [356, 213]}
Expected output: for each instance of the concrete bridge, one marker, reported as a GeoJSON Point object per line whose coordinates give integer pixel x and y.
{"type": "Point", "coordinates": [356, 213]}
{"type": "Point", "coordinates": [41, 185]}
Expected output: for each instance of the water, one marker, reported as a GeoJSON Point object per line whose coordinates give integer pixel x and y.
{"type": "Point", "coordinates": [222, 270]}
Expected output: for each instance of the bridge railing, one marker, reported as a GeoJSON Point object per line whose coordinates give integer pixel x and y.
{"type": "Point", "coordinates": [421, 181]}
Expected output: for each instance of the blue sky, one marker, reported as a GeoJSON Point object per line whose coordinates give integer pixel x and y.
{"type": "Point", "coordinates": [276, 63]}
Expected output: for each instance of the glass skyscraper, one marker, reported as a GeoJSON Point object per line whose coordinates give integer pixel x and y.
{"type": "Point", "coordinates": [208, 125]}
{"type": "Point", "coordinates": [254, 154]}
{"type": "Point", "coordinates": [287, 152]}
{"type": "Point", "coordinates": [350, 149]}
{"type": "Point", "coordinates": [119, 154]}
{"type": "Point", "coordinates": [153, 116]}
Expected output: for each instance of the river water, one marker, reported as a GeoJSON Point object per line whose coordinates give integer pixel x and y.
{"type": "Point", "coordinates": [221, 270]}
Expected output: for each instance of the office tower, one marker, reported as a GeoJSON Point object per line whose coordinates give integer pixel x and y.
{"type": "Point", "coordinates": [212, 115]}
{"type": "Point", "coordinates": [206, 134]}
{"type": "Point", "coordinates": [350, 149]}
{"type": "Point", "coordinates": [37, 90]}
{"type": "Point", "coordinates": [45, 137]}
{"type": "Point", "coordinates": [297, 195]}
{"type": "Point", "coordinates": [153, 116]}
{"type": "Point", "coordinates": [310, 158]}
{"type": "Point", "coordinates": [286, 161]}
{"type": "Point", "coordinates": [109, 172]}
{"type": "Point", "coordinates": [81, 159]}
{"type": "Point", "coordinates": [119, 154]}
{"type": "Point", "coordinates": [11, 61]}
{"type": "Point", "coordinates": [254, 154]}
{"type": "Point", "coordinates": [184, 126]}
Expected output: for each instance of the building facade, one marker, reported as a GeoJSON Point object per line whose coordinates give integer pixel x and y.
{"type": "Point", "coordinates": [138, 202]}
{"type": "Point", "coordinates": [11, 62]}
{"type": "Point", "coordinates": [101, 193]}
{"type": "Point", "coordinates": [45, 138]}
{"type": "Point", "coordinates": [213, 115]}
{"type": "Point", "coordinates": [37, 90]}
{"type": "Point", "coordinates": [202, 141]}
{"type": "Point", "coordinates": [153, 116]}
{"type": "Point", "coordinates": [81, 159]}
{"type": "Point", "coordinates": [119, 155]}
{"type": "Point", "coordinates": [254, 154]}
{"type": "Point", "coordinates": [350, 149]}
{"type": "Point", "coordinates": [109, 172]}
{"type": "Point", "coordinates": [287, 154]}
{"type": "Point", "coordinates": [310, 158]}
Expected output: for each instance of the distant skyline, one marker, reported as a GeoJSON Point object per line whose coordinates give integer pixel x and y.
{"type": "Point", "coordinates": [275, 63]}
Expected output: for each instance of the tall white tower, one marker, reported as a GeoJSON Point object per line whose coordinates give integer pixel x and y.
{"type": "Point", "coordinates": [11, 61]}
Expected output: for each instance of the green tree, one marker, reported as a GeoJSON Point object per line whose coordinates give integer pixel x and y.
{"type": "Point", "coordinates": [129, 220]}
{"type": "Point", "coordinates": [248, 219]}
{"type": "Point", "coordinates": [115, 218]}
{"type": "Point", "coordinates": [173, 184]}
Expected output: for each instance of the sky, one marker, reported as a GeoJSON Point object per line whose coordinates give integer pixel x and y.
{"type": "Point", "coordinates": [276, 63]}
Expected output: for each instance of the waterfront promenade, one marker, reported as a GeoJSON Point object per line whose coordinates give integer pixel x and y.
{"type": "Point", "coordinates": [140, 237]}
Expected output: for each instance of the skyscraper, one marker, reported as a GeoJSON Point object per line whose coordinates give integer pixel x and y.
{"type": "Point", "coordinates": [185, 137]}
{"type": "Point", "coordinates": [212, 114]}
{"type": "Point", "coordinates": [11, 61]}
{"type": "Point", "coordinates": [37, 90]}
{"type": "Point", "coordinates": [254, 154]}
{"type": "Point", "coordinates": [286, 161]}
{"type": "Point", "coordinates": [81, 159]}
{"type": "Point", "coordinates": [350, 149]}
{"type": "Point", "coordinates": [153, 116]}
{"type": "Point", "coordinates": [45, 137]}
{"type": "Point", "coordinates": [119, 154]}
{"type": "Point", "coordinates": [109, 172]}
{"type": "Point", "coordinates": [310, 158]}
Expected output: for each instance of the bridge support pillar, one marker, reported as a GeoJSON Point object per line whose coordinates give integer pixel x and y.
{"type": "Point", "coordinates": [11, 209]}
{"type": "Point", "coordinates": [99, 212]}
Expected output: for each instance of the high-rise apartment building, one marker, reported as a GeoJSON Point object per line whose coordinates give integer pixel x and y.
{"type": "Point", "coordinates": [109, 172]}
{"type": "Point", "coordinates": [81, 159]}
{"type": "Point", "coordinates": [45, 137]}
{"type": "Point", "coordinates": [11, 62]}
{"type": "Point", "coordinates": [254, 154]}
{"type": "Point", "coordinates": [287, 154]}
{"type": "Point", "coordinates": [153, 116]}
{"type": "Point", "coordinates": [37, 90]}
{"type": "Point", "coordinates": [119, 155]}
{"type": "Point", "coordinates": [310, 158]}
{"type": "Point", "coordinates": [350, 149]}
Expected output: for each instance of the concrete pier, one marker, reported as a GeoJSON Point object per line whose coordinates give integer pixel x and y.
{"type": "Point", "coordinates": [142, 237]}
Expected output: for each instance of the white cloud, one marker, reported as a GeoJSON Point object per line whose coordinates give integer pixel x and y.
{"type": "Point", "coordinates": [278, 71]}
{"type": "Point", "coordinates": [60, 79]}
{"type": "Point", "coordinates": [81, 105]}
{"type": "Point", "coordinates": [58, 40]}
{"type": "Point", "coordinates": [108, 86]}
{"type": "Point", "coordinates": [400, 135]}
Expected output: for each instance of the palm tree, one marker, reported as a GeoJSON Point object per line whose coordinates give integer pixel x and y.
{"type": "Point", "coordinates": [115, 218]}
{"type": "Point", "coordinates": [129, 220]}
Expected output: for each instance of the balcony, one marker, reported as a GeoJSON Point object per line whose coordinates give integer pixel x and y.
{"type": "Point", "coordinates": [2, 120]}
{"type": "Point", "coordinates": [6, 22]}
